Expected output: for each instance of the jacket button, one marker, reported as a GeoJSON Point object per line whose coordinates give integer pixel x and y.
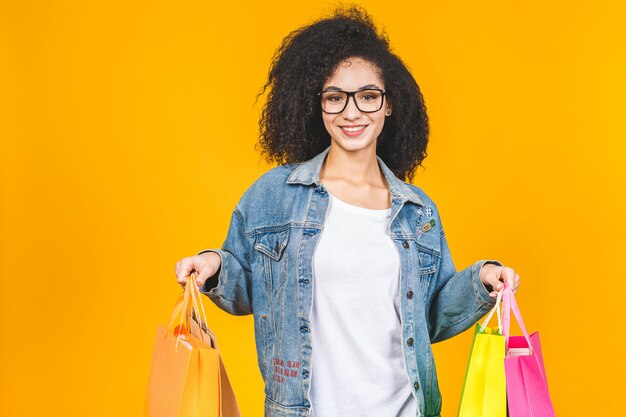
{"type": "Point", "coordinates": [416, 385]}
{"type": "Point", "coordinates": [409, 295]}
{"type": "Point", "coordinates": [405, 244]}
{"type": "Point", "coordinates": [409, 341]}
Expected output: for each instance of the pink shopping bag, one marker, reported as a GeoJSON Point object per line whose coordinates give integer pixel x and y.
{"type": "Point", "coordinates": [526, 382]}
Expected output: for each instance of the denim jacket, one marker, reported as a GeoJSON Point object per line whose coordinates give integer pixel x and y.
{"type": "Point", "coordinates": [267, 271]}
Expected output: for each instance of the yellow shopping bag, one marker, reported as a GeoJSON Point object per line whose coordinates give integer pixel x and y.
{"type": "Point", "coordinates": [187, 376]}
{"type": "Point", "coordinates": [484, 389]}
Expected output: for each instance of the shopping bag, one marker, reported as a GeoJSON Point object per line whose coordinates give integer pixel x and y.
{"type": "Point", "coordinates": [228, 401]}
{"type": "Point", "coordinates": [187, 375]}
{"type": "Point", "coordinates": [484, 389]}
{"type": "Point", "coordinates": [526, 382]}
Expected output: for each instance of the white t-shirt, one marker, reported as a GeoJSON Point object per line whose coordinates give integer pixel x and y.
{"type": "Point", "coordinates": [357, 367]}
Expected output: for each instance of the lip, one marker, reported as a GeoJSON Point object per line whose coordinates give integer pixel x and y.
{"type": "Point", "coordinates": [353, 134]}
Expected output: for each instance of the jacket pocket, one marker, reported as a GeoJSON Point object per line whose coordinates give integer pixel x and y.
{"type": "Point", "coordinates": [428, 259]}
{"type": "Point", "coordinates": [271, 244]}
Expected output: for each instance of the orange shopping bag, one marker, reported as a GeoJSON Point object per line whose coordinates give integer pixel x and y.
{"type": "Point", "coordinates": [187, 376]}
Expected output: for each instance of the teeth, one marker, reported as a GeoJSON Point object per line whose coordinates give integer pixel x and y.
{"type": "Point", "coordinates": [353, 129]}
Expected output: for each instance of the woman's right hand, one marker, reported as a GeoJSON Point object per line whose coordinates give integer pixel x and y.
{"type": "Point", "coordinates": [204, 265]}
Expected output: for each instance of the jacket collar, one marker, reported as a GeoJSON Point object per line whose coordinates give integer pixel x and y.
{"type": "Point", "coordinates": [308, 173]}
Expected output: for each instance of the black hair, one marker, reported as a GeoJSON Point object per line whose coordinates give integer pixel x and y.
{"type": "Point", "coordinates": [291, 127]}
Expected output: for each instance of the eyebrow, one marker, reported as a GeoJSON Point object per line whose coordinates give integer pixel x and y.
{"type": "Point", "coordinates": [365, 87]}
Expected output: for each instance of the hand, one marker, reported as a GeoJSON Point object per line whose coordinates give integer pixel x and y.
{"type": "Point", "coordinates": [495, 275]}
{"type": "Point", "coordinates": [205, 265]}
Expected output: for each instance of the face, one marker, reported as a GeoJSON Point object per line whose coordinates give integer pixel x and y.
{"type": "Point", "coordinates": [353, 130]}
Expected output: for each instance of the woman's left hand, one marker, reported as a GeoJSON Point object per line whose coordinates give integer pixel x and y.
{"type": "Point", "coordinates": [495, 275]}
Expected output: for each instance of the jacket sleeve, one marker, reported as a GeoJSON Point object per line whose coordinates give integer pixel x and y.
{"type": "Point", "coordinates": [459, 299]}
{"type": "Point", "coordinates": [230, 288]}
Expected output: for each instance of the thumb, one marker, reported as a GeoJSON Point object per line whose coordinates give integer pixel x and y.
{"type": "Point", "coordinates": [495, 280]}
{"type": "Point", "coordinates": [202, 276]}
{"type": "Point", "coordinates": [492, 278]}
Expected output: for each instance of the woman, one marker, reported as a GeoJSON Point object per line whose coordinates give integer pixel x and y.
{"type": "Point", "coordinates": [344, 265]}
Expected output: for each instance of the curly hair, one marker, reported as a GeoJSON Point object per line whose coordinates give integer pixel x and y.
{"type": "Point", "coordinates": [291, 127]}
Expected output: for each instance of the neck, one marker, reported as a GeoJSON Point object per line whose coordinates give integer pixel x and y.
{"type": "Point", "coordinates": [360, 167]}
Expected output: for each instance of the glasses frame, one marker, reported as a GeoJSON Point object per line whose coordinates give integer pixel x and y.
{"type": "Point", "coordinates": [351, 94]}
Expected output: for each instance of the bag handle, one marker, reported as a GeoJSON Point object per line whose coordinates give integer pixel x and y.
{"type": "Point", "coordinates": [179, 308]}
{"type": "Point", "coordinates": [188, 307]}
{"type": "Point", "coordinates": [196, 308]}
{"type": "Point", "coordinates": [510, 304]}
{"type": "Point", "coordinates": [495, 309]}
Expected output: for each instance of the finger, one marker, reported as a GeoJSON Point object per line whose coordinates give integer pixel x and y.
{"type": "Point", "coordinates": [490, 277]}
{"type": "Point", "coordinates": [185, 269]}
{"type": "Point", "coordinates": [203, 275]}
{"type": "Point", "coordinates": [494, 279]}
{"type": "Point", "coordinates": [517, 282]}
{"type": "Point", "coordinates": [495, 284]}
{"type": "Point", "coordinates": [195, 276]}
{"type": "Point", "coordinates": [493, 294]}
{"type": "Point", "coordinates": [178, 272]}
{"type": "Point", "coordinates": [507, 276]}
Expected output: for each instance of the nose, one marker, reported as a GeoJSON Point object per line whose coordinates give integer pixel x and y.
{"type": "Point", "coordinates": [351, 111]}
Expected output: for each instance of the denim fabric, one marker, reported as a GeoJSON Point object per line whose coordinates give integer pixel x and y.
{"type": "Point", "coordinates": [267, 271]}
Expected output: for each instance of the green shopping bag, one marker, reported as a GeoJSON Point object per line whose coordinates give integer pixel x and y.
{"type": "Point", "coordinates": [484, 389]}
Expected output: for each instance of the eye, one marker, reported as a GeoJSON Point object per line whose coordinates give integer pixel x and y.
{"type": "Point", "coordinates": [369, 96]}
{"type": "Point", "coordinates": [336, 98]}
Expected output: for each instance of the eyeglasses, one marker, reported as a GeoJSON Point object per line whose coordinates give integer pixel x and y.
{"type": "Point", "coordinates": [367, 101]}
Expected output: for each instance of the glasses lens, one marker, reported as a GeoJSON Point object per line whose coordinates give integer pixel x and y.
{"type": "Point", "coordinates": [333, 101]}
{"type": "Point", "coordinates": [367, 101]}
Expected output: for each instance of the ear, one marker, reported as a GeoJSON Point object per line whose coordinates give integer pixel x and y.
{"type": "Point", "coordinates": [388, 109]}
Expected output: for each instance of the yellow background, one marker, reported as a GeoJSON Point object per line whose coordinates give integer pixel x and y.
{"type": "Point", "coordinates": [127, 134]}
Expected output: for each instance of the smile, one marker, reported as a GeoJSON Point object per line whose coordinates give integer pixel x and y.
{"type": "Point", "coordinates": [353, 130]}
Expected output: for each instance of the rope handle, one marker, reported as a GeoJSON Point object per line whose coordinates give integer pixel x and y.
{"type": "Point", "coordinates": [495, 309]}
